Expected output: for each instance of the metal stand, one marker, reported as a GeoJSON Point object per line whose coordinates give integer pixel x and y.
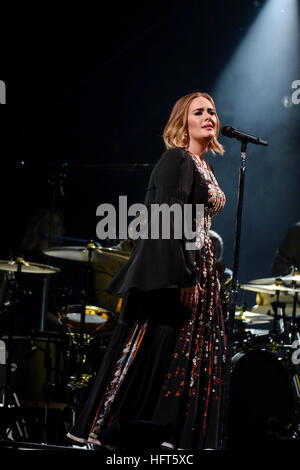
{"type": "Point", "coordinates": [233, 298]}
{"type": "Point", "coordinates": [85, 296]}
{"type": "Point", "coordinates": [294, 327]}
{"type": "Point", "coordinates": [244, 139]}
{"type": "Point", "coordinates": [11, 402]}
{"type": "Point", "coordinates": [56, 179]}
{"type": "Point", "coordinates": [281, 333]}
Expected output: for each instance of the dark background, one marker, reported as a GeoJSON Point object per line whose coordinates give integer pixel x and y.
{"type": "Point", "coordinates": [92, 83]}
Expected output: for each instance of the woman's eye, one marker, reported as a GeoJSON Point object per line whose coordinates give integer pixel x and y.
{"type": "Point", "coordinates": [198, 113]}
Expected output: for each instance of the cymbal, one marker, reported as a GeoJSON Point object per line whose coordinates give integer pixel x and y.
{"type": "Point", "coordinates": [269, 289]}
{"type": "Point", "coordinates": [268, 310]}
{"type": "Point", "coordinates": [272, 280]}
{"type": "Point", "coordinates": [25, 267]}
{"type": "Point", "coordinates": [112, 253]}
{"type": "Point", "coordinates": [251, 316]}
{"type": "Point", "coordinates": [267, 299]}
{"type": "Point", "coordinates": [291, 278]}
{"type": "Point", "coordinates": [84, 253]}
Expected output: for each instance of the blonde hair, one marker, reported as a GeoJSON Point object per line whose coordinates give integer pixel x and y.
{"type": "Point", "coordinates": [176, 131]}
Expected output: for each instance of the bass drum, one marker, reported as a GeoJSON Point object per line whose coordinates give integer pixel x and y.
{"type": "Point", "coordinates": [262, 400]}
{"type": "Point", "coordinates": [38, 368]}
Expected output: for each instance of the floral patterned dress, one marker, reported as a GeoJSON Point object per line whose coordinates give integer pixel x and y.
{"type": "Point", "coordinates": [194, 382]}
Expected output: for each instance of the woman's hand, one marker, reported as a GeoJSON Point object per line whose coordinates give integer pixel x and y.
{"type": "Point", "coordinates": [189, 296]}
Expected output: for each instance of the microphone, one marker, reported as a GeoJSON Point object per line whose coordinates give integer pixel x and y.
{"type": "Point", "coordinates": [229, 131]}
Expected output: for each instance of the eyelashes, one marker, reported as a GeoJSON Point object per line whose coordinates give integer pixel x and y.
{"type": "Point", "coordinates": [197, 113]}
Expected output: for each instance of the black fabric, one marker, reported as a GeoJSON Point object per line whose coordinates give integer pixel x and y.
{"type": "Point", "coordinates": [88, 411]}
{"type": "Point", "coordinates": [160, 263]}
{"type": "Point", "coordinates": [140, 392]}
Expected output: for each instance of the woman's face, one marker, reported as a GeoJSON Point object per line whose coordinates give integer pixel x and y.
{"type": "Point", "coordinates": [202, 120]}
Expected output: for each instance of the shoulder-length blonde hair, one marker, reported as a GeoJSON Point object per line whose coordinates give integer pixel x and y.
{"type": "Point", "coordinates": [176, 131]}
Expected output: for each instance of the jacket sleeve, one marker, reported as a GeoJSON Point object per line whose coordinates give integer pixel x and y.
{"type": "Point", "coordinates": [173, 180]}
{"type": "Point", "coordinates": [158, 262]}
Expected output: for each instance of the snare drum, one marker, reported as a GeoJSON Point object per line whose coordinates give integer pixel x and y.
{"type": "Point", "coordinates": [95, 317]}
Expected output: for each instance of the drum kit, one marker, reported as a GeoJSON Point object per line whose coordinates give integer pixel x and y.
{"type": "Point", "coordinates": [277, 304]}
{"type": "Point", "coordinates": [55, 370]}
{"type": "Point", "coordinates": [52, 369]}
{"type": "Point", "coordinates": [265, 385]}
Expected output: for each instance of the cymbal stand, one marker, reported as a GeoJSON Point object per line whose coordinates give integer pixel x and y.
{"type": "Point", "coordinates": [10, 398]}
{"type": "Point", "coordinates": [85, 295]}
{"type": "Point", "coordinates": [275, 309]}
{"type": "Point", "coordinates": [56, 178]}
{"type": "Point", "coordinates": [48, 387]}
{"type": "Point", "coordinates": [293, 329]}
{"type": "Point", "coordinates": [276, 305]}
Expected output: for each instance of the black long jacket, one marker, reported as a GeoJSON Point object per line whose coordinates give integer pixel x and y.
{"type": "Point", "coordinates": [161, 263]}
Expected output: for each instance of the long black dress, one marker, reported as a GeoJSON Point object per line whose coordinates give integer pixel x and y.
{"type": "Point", "coordinates": [165, 364]}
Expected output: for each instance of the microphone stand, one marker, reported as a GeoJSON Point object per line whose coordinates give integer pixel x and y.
{"type": "Point", "coordinates": [233, 298]}
{"type": "Point", "coordinates": [244, 139]}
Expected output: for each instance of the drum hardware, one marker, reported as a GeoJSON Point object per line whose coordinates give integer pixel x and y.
{"type": "Point", "coordinates": [88, 253]}
{"type": "Point", "coordinates": [49, 385]}
{"type": "Point", "coordinates": [290, 281]}
{"type": "Point", "coordinates": [83, 254]}
{"type": "Point", "coordinates": [76, 386]}
{"type": "Point", "coordinates": [265, 300]}
{"type": "Point", "coordinates": [18, 267]}
{"type": "Point", "coordinates": [291, 303]}
{"type": "Point", "coordinates": [252, 330]}
{"type": "Point", "coordinates": [83, 321]}
{"type": "Point", "coordinates": [39, 380]}
{"type": "Point", "coordinates": [293, 278]}
{"type": "Point", "coordinates": [270, 289]}
{"type": "Point", "coordinates": [277, 289]}
{"type": "Point", "coordinates": [10, 398]}
{"type": "Point", "coordinates": [95, 318]}
{"type": "Point", "coordinates": [90, 247]}
{"type": "Point", "coordinates": [248, 341]}
{"type": "Point", "coordinates": [276, 418]}
{"type": "Point", "coordinates": [294, 329]}
{"type": "Point", "coordinates": [276, 305]}
{"type": "Point", "coordinates": [274, 348]}
{"type": "Point", "coordinates": [264, 397]}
